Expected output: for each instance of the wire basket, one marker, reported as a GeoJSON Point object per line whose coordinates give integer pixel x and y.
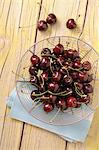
{"type": "Point", "coordinates": [70, 116]}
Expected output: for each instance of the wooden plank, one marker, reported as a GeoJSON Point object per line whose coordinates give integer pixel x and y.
{"type": "Point", "coordinates": [10, 129]}
{"type": "Point", "coordinates": [70, 9]}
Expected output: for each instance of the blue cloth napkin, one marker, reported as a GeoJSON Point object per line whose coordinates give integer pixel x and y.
{"type": "Point", "coordinates": [72, 133]}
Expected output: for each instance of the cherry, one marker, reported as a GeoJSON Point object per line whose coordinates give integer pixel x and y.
{"type": "Point", "coordinates": [74, 75]}
{"type": "Point", "coordinates": [52, 98]}
{"type": "Point", "coordinates": [75, 54]}
{"type": "Point", "coordinates": [65, 54]}
{"type": "Point", "coordinates": [70, 53]}
{"type": "Point", "coordinates": [55, 66]}
{"type": "Point", "coordinates": [51, 19]}
{"type": "Point", "coordinates": [61, 103]}
{"type": "Point", "coordinates": [45, 76]}
{"type": "Point", "coordinates": [48, 107]}
{"type": "Point", "coordinates": [88, 88]}
{"type": "Point", "coordinates": [61, 59]}
{"type": "Point", "coordinates": [34, 79]}
{"type": "Point", "coordinates": [33, 70]}
{"type": "Point", "coordinates": [46, 51]}
{"type": "Point", "coordinates": [79, 85]}
{"type": "Point", "coordinates": [77, 64]}
{"type": "Point", "coordinates": [42, 88]}
{"type": "Point", "coordinates": [34, 92]}
{"type": "Point", "coordinates": [82, 76]}
{"type": "Point", "coordinates": [53, 86]}
{"type": "Point", "coordinates": [68, 89]}
{"type": "Point", "coordinates": [71, 101]}
{"type": "Point", "coordinates": [71, 24]}
{"type": "Point", "coordinates": [77, 59]}
{"type": "Point", "coordinates": [56, 76]}
{"type": "Point", "coordinates": [68, 63]}
{"type": "Point", "coordinates": [86, 65]}
{"type": "Point", "coordinates": [90, 78]}
{"type": "Point", "coordinates": [63, 71]}
{"type": "Point", "coordinates": [35, 60]}
{"type": "Point", "coordinates": [67, 80]}
{"type": "Point", "coordinates": [85, 99]}
{"type": "Point", "coordinates": [42, 25]}
{"type": "Point", "coordinates": [58, 50]}
{"type": "Point", "coordinates": [45, 63]}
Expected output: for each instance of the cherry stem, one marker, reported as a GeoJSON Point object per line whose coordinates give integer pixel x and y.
{"type": "Point", "coordinates": [53, 118]}
{"type": "Point", "coordinates": [49, 56]}
{"type": "Point", "coordinates": [78, 92]}
{"type": "Point", "coordinates": [75, 69]}
{"type": "Point", "coordinates": [51, 67]}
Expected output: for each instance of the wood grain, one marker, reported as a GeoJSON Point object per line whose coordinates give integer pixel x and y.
{"type": "Point", "coordinates": [18, 20]}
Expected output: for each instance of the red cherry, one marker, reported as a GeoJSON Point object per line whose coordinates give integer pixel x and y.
{"type": "Point", "coordinates": [67, 80]}
{"type": "Point", "coordinates": [61, 103]}
{"type": "Point", "coordinates": [65, 54]}
{"type": "Point", "coordinates": [58, 50]}
{"type": "Point", "coordinates": [51, 19]}
{"type": "Point", "coordinates": [42, 25]}
{"type": "Point", "coordinates": [77, 65]}
{"type": "Point", "coordinates": [35, 60]}
{"type": "Point", "coordinates": [53, 86]}
{"type": "Point", "coordinates": [56, 76]}
{"type": "Point", "coordinates": [52, 98]}
{"type": "Point", "coordinates": [71, 24]}
{"type": "Point", "coordinates": [86, 65]}
{"type": "Point", "coordinates": [90, 78]}
{"type": "Point", "coordinates": [45, 76]}
{"type": "Point", "coordinates": [71, 101]}
{"type": "Point", "coordinates": [61, 59]}
{"type": "Point", "coordinates": [70, 53]}
{"type": "Point", "coordinates": [85, 99]}
{"type": "Point", "coordinates": [82, 76]}
{"type": "Point", "coordinates": [34, 79]}
{"type": "Point", "coordinates": [33, 70]}
{"type": "Point", "coordinates": [88, 88]}
{"type": "Point", "coordinates": [79, 85]}
{"type": "Point", "coordinates": [48, 107]}
{"type": "Point", "coordinates": [74, 75]}
{"type": "Point", "coordinates": [75, 54]}
{"type": "Point", "coordinates": [45, 63]}
{"type": "Point", "coordinates": [46, 51]}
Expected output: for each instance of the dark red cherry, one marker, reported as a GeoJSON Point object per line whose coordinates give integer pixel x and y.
{"type": "Point", "coordinates": [75, 54]}
{"type": "Point", "coordinates": [65, 54]}
{"type": "Point", "coordinates": [56, 76]}
{"type": "Point", "coordinates": [45, 63]}
{"type": "Point", "coordinates": [51, 19]}
{"type": "Point", "coordinates": [33, 70]}
{"type": "Point", "coordinates": [45, 76]}
{"type": "Point", "coordinates": [52, 98]}
{"type": "Point", "coordinates": [88, 88]}
{"type": "Point", "coordinates": [77, 64]}
{"type": "Point", "coordinates": [82, 76]}
{"type": "Point", "coordinates": [42, 88]}
{"type": "Point", "coordinates": [34, 92]}
{"type": "Point", "coordinates": [34, 79]}
{"type": "Point", "coordinates": [61, 103]}
{"type": "Point", "coordinates": [71, 24]}
{"type": "Point", "coordinates": [90, 78]}
{"type": "Point", "coordinates": [48, 107]}
{"type": "Point", "coordinates": [77, 59]}
{"type": "Point", "coordinates": [63, 71]}
{"type": "Point", "coordinates": [67, 80]}
{"type": "Point", "coordinates": [53, 86]}
{"type": "Point", "coordinates": [46, 51]}
{"type": "Point", "coordinates": [70, 53]}
{"type": "Point", "coordinates": [35, 60]}
{"type": "Point", "coordinates": [71, 101]}
{"type": "Point", "coordinates": [85, 99]}
{"type": "Point", "coordinates": [79, 85]}
{"type": "Point", "coordinates": [74, 75]}
{"type": "Point", "coordinates": [68, 63]}
{"type": "Point", "coordinates": [86, 65]}
{"type": "Point", "coordinates": [61, 59]}
{"type": "Point", "coordinates": [58, 50]}
{"type": "Point", "coordinates": [42, 25]}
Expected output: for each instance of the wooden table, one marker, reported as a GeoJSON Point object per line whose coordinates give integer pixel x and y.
{"type": "Point", "coordinates": [14, 14]}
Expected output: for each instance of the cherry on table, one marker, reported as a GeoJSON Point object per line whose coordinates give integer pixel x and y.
{"type": "Point", "coordinates": [45, 76]}
{"type": "Point", "coordinates": [70, 53]}
{"type": "Point", "coordinates": [61, 103]}
{"type": "Point", "coordinates": [82, 76]}
{"type": "Point", "coordinates": [52, 98]}
{"type": "Point", "coordinates": [51, 18]}
{"type": "Point", "coordinates": [90, 78]}
{"type": "Point", "coordinates": [77, 64]}
{"type": "Point", "coordinates": [74, 75]}
{"type": "Point", "coordinates": [79, 85]}
{"type": "Point", "coordinates": [67, 80]}
{"type": "Point", "coordinates": [71, 24]}
{"type": "Point", "coordinates": [42, 25]}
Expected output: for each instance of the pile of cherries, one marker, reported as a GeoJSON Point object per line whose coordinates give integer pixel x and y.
{"type": "Point", "coordinates": [64, 81]}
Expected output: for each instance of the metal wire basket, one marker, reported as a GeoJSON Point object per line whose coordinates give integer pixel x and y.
{"type": "Point", "coordinates": [70, 116]}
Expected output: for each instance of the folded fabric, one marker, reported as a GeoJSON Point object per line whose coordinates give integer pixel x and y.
{"type": "Point", "coordinates": [75, 132]}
